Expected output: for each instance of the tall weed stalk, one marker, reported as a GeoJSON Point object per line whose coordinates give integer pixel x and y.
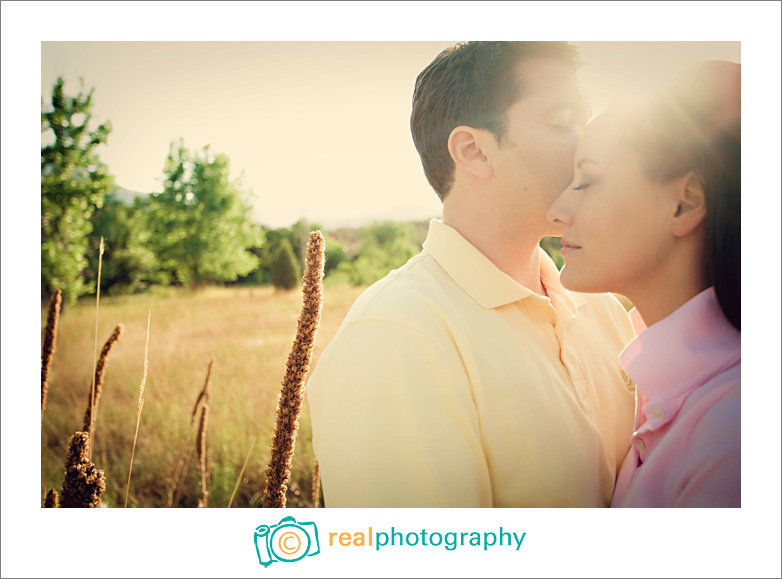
{"type": "Point", "coordinates": [140, 406]}
{"type": "Point", "coordinates": [292, 393]}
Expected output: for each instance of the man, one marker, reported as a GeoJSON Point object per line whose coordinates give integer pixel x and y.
{"type": "Point", "coordinates": [469, 377]}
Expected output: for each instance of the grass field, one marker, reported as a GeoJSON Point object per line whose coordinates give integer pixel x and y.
{"type": "Point", "coordinates": [248, 332]}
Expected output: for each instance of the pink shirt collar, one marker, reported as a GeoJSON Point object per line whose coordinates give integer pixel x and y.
{"type": "Point", "coordinates": [671, 358]}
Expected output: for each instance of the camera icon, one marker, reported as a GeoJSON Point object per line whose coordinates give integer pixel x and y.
{"type": "Point", "coordinates": [287, 541]}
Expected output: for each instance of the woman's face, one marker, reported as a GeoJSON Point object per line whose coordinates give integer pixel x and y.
{"type": "Point", "coordinates": [615, 220]}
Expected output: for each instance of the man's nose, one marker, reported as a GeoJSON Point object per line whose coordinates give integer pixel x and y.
{"type": "Point", "coordinates": [560, 212]}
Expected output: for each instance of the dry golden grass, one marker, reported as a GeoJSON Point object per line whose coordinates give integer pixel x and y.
{"type": "Point", "coordinates": [316, 485]}
{"type": "Point", "coordinates": [241, 472]}
{"type": "Point", "coordinates": [249, 330]}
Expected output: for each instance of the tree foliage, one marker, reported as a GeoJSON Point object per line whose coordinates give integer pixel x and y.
{"type": "Point", "coordinates": [130, 264]}
{"type": "Point", "coordinates": [296, 236]}
{"type": "Point", "coordinates": [553, 247]}
{"type": "Point", "coordinates": [336, 253]}
{"type": "Point", "coordinates": [196, 231]}
{"type": "Point", "coordinates": [286, 272]}
{"type": "Point", "coordinates": [384, 246]}
{"type": "Point", "coordinates": [199, 225]}
{"type": "Point", "coordinates": [73, 185]}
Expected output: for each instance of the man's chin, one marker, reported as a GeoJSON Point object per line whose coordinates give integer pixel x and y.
{"type": "Point", "coordinates": [554, 231]}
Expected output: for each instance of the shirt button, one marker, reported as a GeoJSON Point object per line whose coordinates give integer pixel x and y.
{"type": "Point", "coordinates": [658, 413]}
{"type": "Point", "coordinates": [639, 444]}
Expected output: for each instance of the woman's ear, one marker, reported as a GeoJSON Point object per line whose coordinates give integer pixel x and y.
{"type": "Point", "coordinates": [465, 144]}
{"type": "Point", "coordinates": [690, 209]}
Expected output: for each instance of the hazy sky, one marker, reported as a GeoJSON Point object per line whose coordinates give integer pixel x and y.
{"type": "Point", "coordinates": [320, 129]}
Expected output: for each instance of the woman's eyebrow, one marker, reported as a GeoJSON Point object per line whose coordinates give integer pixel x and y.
{"type": "Point", "coordinates": [568, 106]}
{"type": "Point", "coordinates": [585, 160]}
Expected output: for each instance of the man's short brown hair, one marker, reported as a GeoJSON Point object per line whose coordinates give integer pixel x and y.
{"type": "Point", "coordinates": [473, 84]}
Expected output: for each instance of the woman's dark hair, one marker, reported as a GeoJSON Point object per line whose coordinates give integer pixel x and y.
{"type": "Point", "coordinates": [695, 125]}
{"type": "Point", "coordinates": [722, 184]}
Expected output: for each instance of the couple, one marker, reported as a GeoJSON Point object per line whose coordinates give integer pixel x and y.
{"type": "Point", "coordinates": [478, 376]}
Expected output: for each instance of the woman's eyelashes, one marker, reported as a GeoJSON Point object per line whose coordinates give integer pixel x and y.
{"type": "Point", "coordinates": [566, 119]}
{"type": "Point", "coordinates": [585, 183]}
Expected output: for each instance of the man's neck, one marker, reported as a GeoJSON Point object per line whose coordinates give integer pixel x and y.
{"type": "Point", "coordinates": [514, 254]}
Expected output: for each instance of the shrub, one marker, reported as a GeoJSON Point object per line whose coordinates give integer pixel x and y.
{"type": "Point", "coordinates": [286, 272]}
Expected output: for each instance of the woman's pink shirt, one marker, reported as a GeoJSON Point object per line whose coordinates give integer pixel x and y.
{"type": "Point", "coordinates": [686, 448]}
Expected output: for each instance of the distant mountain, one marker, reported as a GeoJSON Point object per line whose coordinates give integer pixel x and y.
{"type": "Point", "coordinates": [404, 213]}
{"type": "Point", "coordinates": [126, 195]}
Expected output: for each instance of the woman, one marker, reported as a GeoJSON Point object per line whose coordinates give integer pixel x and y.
{"type": "Point", "coordinates": [654, 214]}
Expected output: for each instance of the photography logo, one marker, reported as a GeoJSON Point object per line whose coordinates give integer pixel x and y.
{"type": "Point", "coordinates": [287, 541]}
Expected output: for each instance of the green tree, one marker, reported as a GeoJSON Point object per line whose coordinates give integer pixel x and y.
{"type": "Point", "coordinates": [73, 185]}
{"type": "Point", "coordinates": [129, 263]}
{"type": "Point", "coordinates": [259, 275]}
{"type": "Point", "coordinates": [300, 235]}
{"type": "Point", "coordinates": [199, 225]}
{"type": "Point", "coordinates": [286, 273]}
{"type": "Point", "coordinates": [296, 236]}
{"type": "Point", "coordinates": [336, 252]}
{"type": "Point", "coordinates": [385, 245]}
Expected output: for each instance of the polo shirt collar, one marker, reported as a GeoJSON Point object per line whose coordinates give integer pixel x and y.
{"type": "Point", "coordinates": [673, 357]}
{"type": "Point", "coordinates": [484, 281]}
{"type": "Point", "coordinates": [564, 301]}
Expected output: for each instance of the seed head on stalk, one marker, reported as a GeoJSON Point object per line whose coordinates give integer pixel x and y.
{"type": "Point", "coordinates": [292, 393]}
{"type": "Point", "coordinates": [52, 500]}
{"type": "Point", "coordinates": [205, 393]}
{"type": "Point", "coordinates": [100, 374]}
{"type": "Point", "coordinates": [201, 447]}
{"type": "Point", "coordinates": [84, 484]}
{"type": "Point", "coordinates": [49, 343]}
{"type": "Point", "coordinates": [183, 455]}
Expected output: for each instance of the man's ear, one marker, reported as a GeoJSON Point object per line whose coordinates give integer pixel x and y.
{"type": "Point", "coordinates": [465, 144]}
{"type": "Point", "coordinates": [690, 210]}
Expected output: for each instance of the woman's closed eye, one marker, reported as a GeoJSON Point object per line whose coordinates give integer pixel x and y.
{"type": "Point", "coordinates": [582, 186]}
{"type": "Point", "coordinates": [566, 119]}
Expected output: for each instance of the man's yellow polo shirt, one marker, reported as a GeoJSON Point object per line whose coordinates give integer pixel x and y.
{"type": "Point", "coordinates": [451, 385]}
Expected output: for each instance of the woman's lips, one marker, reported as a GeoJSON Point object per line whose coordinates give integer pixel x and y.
{"type": "Point", "coordinates": [568, 247]}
